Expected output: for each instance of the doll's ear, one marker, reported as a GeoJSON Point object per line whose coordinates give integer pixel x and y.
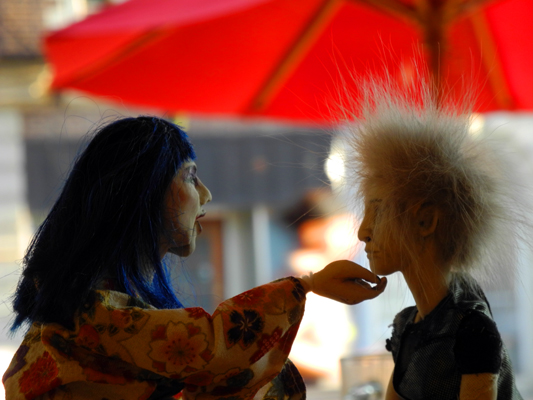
{"type": "Point", "coordinates": [427, 218]}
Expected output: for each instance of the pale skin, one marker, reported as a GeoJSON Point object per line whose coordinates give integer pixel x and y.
{"type": "Point", "coordinates": [384, 258]}
{"type": "Point", "coordinates": [185, 201]}
{"type": "Point", "coordinates": [343, 281]}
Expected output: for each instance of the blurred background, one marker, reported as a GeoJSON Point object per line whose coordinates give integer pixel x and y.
{"type": "Point", "coordinates": [272, 160]}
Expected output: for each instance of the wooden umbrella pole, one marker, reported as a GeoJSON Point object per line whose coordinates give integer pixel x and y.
{"type": "Point", "coordinates": [432, 14]}
{"type": "Point", "coordinates": [492, 61]}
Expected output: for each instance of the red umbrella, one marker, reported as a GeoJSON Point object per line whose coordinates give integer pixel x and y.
{"type": "Point", "coordinates": [289, 58]}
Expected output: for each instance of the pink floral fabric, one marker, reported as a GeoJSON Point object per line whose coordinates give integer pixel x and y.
{"type": "Point", "coordinates": [122, 348]}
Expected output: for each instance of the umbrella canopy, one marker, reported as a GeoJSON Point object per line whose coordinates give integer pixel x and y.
{"type": "Point", "coordinates": [293, 59]}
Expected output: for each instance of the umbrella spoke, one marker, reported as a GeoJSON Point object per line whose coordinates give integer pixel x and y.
{"type": "Point", "coordinates": [393, 7]}
{"type": "Point", "coordinates": [296, 52]}
{"type": "Point", "coordinates": [492, 61]}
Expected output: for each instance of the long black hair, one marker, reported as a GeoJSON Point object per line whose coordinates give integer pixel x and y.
{"type": "Point", "coordinates": [106, 223]}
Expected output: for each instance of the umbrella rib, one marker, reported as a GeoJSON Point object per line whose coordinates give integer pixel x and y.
{"type": "Point", "coordinates": [469, 5]}
{"type": "Point", "coordinates": [294, 55]}
{"type": "Point", "coordinates": [113, 58]}
{"type": "Point", "coordinates": [392, 7]}
{"type": "Point", "coordinates": [491, 61]}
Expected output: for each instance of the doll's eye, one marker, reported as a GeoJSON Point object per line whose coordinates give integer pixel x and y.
{"type": "Point", "coordinates": [375, 206]}
{"type": "Point", "coordinates": [193, 179]}
{"type": "Point", "coordinates": [192, 175]}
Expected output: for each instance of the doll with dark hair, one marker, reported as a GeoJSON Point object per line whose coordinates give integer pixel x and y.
{"type": "Point", "coordinates": [437, 205]}
{"type": "Point", "coordinates": [103, 319]}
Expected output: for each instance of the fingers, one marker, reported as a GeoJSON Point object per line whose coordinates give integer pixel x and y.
{"type": "Point", "coordinates": [359, 290]}
{"type": "Point", "coordinates": [347, 282]}
{"type": "Point", "coordinates": [359, 282]}
{"type": "Point", "coordinates": [378, 289]}
{"type": "Point", "coordinates": [349, 269]}
{"type": "Point", "coordinates": [382, 284]}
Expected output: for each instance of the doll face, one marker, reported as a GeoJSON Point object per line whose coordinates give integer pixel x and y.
{"type": "Point", "coordinates": [184, 203]}
{"type": "Point", "coordinates": [385, 256]}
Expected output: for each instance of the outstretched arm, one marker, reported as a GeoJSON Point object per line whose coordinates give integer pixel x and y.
{"type": "Point", "coordinates": [236, 351]}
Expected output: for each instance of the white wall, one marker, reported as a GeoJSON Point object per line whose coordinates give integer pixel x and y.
{"type": "Point", "coordinates": [15, 227]}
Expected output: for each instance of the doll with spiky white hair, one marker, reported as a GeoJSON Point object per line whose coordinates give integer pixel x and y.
{"type": "Point", "coordinates": [437, 205]}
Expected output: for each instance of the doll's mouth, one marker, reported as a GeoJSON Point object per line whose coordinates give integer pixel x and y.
{"type": "Point", "coordinates": [200, 216]}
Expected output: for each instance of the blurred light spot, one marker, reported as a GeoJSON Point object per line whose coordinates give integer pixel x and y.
{"type": "Point", "coordinates": [304, 260]}
{"type": "Point", "coordinates": [335, 169]}
{"type": "Point", "coordinates": [340, 234]}
{"type": "Point", "coordinates": [477, 123]}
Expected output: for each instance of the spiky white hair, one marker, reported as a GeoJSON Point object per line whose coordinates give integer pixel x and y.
{"type": "Point", "coordinates": [415, 149]}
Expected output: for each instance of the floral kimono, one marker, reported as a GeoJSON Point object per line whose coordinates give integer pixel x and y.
{"type": "Point", "coordinates": [122, 348]}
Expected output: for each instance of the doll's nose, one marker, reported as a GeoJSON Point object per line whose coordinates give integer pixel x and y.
{"type": "Point", "coordinates": [364, 234]}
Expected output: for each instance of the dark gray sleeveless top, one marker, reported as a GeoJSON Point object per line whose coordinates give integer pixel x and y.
{"type": "Point", "coordinates": [458, 337]}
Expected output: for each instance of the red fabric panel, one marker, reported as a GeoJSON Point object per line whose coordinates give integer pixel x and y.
{"type": "Point", "coordinates": [511, 24]}
{"type": "Point", "coordinates": [70, 57]}
{"type": "Point", "coordinates": [213, 56]}
{"type": "Point", "coordinates": [360, 40]}
{"type": "Point", "coordinates": [464, 68]}
{"type": "Point", "coordinates": [134, 15]}
{"type": "Point", "coordinates": [213, 69]}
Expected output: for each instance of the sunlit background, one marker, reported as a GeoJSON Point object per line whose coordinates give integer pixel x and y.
{"type": "Point", "coordinates": [280, 207]}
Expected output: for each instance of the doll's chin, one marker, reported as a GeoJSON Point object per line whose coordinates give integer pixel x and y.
{"type": "Point", "coordinates": [183, 251]}
{"type": "Point", "coordinates": [381, 270]}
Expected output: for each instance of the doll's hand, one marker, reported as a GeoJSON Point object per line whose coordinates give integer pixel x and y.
{"type": "Point", "coordinates": [345, 281]}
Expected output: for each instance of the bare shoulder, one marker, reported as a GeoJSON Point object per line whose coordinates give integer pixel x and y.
{"type": "Point", "coordinates": [391, 393]}
{"type": "Point", "coordinates": [479, 387]}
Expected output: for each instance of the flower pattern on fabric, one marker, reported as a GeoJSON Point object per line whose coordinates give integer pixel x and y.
{"type": "Point", "coordinates": [40, 378]}
{"type": "Point", "coordinates": [17, 363]}
{"type": "Point", "coordinates": [197, 313]}
{"type": "Point", "coordinates": [275, 302]}
{"type": "Point", "coordinates": [288, 384]}
{"type": "Point", "coordinates": [250, 297]}
{"type": "Point", "coordinates": [265, 344]}
{"type": "Point", "coordinates": [298, 291]}
{"type": "Point", "coordinates": [121, 348]}
{"type": "Point", "coordinates": [234, 383]}
{"type": "Point", "coordinates": [246, 328]}
{"type": "Point", "coordinates": [202, 378]}
{"type": "Point", "coordinates": [94, 375]}
{"type": "Point", "coordinates": [287, 340]}
{"type": "Point", "coordinates": [88, 337]}
{"type": "Point", "coordinates": [183, 346]}
{"type": "Point", "coordinates": [124, 323]}
{"type": "Point", "coordinates": [121, 318]}
{"type": "Point", "coordinates": [223, 377]}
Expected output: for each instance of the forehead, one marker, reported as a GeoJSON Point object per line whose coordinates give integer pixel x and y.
{"type": "Point", "coordinates": [372, 193]}
{"type": "Point", "coordinates": [188, 163]}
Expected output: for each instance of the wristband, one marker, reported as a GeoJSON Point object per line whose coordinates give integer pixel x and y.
{"type": "Point", "coordinates": [309, 279]}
